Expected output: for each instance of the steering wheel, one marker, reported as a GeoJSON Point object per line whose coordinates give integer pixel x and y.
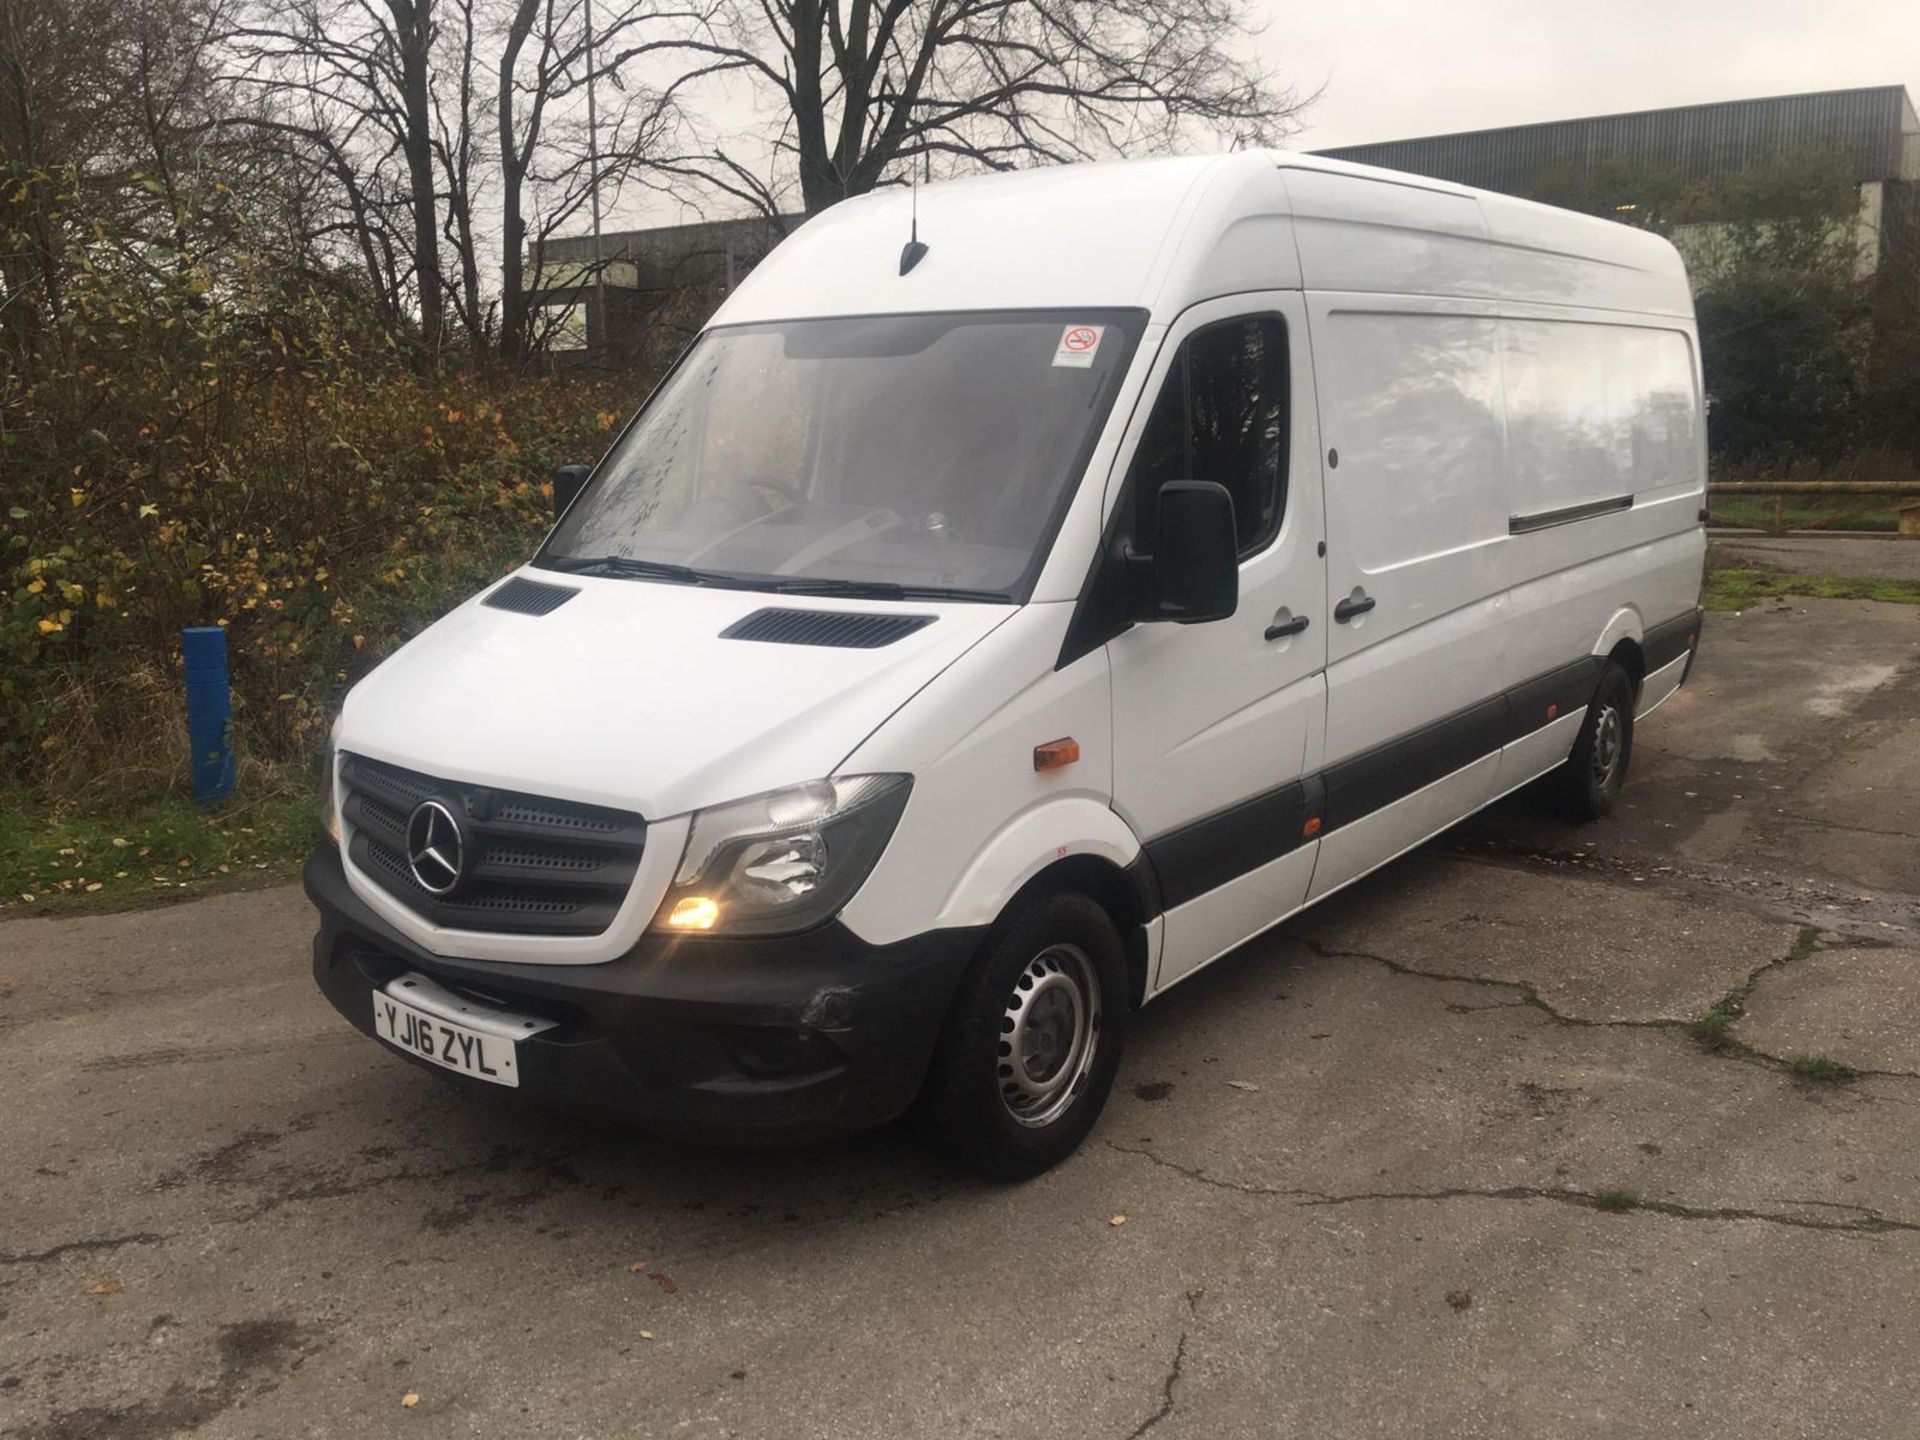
{"type": "Point", "coordinates": [779, 487]}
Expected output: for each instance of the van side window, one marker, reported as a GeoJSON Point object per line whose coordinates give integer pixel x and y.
{"type": "Point", "coordinates": [1221, 416]}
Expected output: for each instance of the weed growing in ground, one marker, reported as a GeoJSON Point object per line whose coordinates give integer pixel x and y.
{"type": "Point", "coordinates": [1822, 1069]}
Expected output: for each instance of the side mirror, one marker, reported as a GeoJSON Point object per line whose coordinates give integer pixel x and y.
{"type": "Point", "coordinates": [567, 483]}
{"type": "Point", "coordinates": [1196, 559]}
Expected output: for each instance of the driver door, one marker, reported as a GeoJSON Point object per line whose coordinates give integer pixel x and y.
{"type": "Point", "coordinates": [1216, 724]}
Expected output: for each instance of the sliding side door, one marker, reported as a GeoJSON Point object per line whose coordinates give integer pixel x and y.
{"type": "Point", "coordinates": [1416, 585]}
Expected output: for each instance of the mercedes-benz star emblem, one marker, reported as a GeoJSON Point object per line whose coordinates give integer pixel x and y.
{"type": "Point", "coordinates": [436, 851]}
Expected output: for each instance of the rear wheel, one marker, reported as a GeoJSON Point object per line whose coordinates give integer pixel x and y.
{"type": "Point", "coordinates": [1587, 786]}
{"type": "Point", "coordinates": [1033, 1040]}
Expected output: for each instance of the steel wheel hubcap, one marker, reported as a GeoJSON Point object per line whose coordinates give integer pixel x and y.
{"type": "Point", "coordinates": [1048, 1035]}
{"type": "Point", "coordinates": [1606, 744]}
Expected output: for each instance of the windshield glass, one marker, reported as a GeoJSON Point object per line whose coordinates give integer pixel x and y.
{"type": "Point", "coordinates": [908, 454]}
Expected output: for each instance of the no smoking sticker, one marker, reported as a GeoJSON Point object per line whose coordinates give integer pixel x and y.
{"type": "Point", "coordinates": [1078, 345]}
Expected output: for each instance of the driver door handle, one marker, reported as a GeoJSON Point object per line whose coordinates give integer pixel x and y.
{"type": "Point", "coordinates": [1280, 629]}
{"type": "Point", "coordinates": [1350, 607]}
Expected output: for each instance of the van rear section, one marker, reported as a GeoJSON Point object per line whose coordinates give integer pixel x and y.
{"type": "Point", "coordinates": [950, 657]}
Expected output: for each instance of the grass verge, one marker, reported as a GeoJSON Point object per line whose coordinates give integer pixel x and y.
{"type": "Point", "coordinates": [1738, 589]}
{"type": "Point", "coordinates": [158, 851]}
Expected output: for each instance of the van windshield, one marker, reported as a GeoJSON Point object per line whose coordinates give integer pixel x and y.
{"type": "Point", "coordinates": [881, 455]}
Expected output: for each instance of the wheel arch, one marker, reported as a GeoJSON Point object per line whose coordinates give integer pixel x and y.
{"type": "Point", "coordinates": [1621, 642]}
{"type": "Point", "coordinates": [1126, 893]}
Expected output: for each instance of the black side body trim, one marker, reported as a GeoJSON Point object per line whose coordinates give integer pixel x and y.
{"type": "Point", "coordinates": [835, 629]}
{"type": "Point", "coordinates": [1198, 857]}
{"type": "Point", "coordinates": [1376, 778]}
{"type": "Point", "coordinates": [1566, 514]}
{"type": "Point", "coordinates": [1563, 690]}
{"type": "Point", "coordinates": [1207, 853]}
{"type": "Point", "coordinates": [1668, 641]}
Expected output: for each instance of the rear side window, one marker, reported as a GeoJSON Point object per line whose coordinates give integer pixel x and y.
{"type": "Point", "coordinates": [1221, 415]}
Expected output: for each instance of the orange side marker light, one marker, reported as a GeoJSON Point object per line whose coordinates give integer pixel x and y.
{"type": "Point", "coordinates": [1311, 828]}
{"type": "Point", "coordinates": [1552, 710]}
{"type": "Point", "coordinates": [1056, 753]}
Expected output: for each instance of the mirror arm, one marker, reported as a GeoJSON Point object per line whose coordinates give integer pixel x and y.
{"type": "Point", "coordinates": [1136, 576]}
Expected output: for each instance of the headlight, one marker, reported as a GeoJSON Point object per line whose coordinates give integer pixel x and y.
{"type": "Point", "coordinates": [329, 807]}
{"type": "Point", "coordinates": [782, 861]}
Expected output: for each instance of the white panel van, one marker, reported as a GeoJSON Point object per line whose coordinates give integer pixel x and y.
{"type": "Point", "coordinates": [972, 638]}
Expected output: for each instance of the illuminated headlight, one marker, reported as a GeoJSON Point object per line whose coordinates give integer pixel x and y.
{"type": "Point", "coordinates": [329, 802]}
{"type": "Point", "coordinates": [783, 861]}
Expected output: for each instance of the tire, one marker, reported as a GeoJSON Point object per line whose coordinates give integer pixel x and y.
{"type": "Point", "coordinates": [1051, 978]}
{"type": "Point", "coordinates": [1586, 787]}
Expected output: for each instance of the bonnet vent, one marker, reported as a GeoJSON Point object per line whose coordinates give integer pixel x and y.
{"type": "Point", "coordinates": [529, 597]}
{"type": "Point", "coordinates": [839, 629]}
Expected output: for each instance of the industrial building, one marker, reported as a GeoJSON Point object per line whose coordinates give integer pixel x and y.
{"type": "Point", "coordinates": [639, 295]}
{"type": "Point", "coordinates": [1874, 133]}
{"type": "Point", "coordinates": [653, 288]}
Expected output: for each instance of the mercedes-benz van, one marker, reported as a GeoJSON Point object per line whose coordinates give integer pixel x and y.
{"type": "Point", "coordinates": [1002, 611]}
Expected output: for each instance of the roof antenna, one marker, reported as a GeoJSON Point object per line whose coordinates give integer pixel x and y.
{"type": "Point", "coordinates": [913, 252]}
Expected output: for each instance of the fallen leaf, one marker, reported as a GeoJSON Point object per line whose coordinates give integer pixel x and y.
{"type": "Point", "coordinates": [646, 1334]}
{"type": "Point", "coordinates": [409, 1400]}
{"type": "Point", "coordinates": [1242, 1085]}
{"type": "Point", "coordinates": [665, 1282]}
{"type": "Point", "coordinates": [105, 1287]}
{"type": "Point", "coordinates": [1117, 1221]}
{"type": "Point", "coordinates": [639, 1267]}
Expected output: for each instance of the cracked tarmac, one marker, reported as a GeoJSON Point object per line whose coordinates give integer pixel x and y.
{"type": "Point", "coordinates": [1445, 1156]}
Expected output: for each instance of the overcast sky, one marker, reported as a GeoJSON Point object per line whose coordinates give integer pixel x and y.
{"type": "Point", "coordinates": [1400, 68]}
{"type": "Point", "coordinates": [1393, 69]}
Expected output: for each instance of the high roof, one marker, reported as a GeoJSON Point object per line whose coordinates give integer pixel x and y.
{"type": "Point", "coordinates": [1163, 234]}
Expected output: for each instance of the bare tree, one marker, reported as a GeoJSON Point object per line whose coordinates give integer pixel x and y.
{"type": "Point", "coordinates": [549, 161]}
{"type": "Point", "coordinates": [365, 69]}
{"type": "Point", "coordinates": [868, 89]}
{"type": "Point", "coordinates": [53, 88]}
{"type": "Point", "coordinates": [457, 144]}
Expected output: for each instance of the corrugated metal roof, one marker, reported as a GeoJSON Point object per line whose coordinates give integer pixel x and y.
{"type": "Point", "coordinates": [1701, 142]}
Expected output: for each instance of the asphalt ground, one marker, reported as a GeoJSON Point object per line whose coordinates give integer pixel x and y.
{"type": "Point", "coordinates": [1857, 557]}
{"type": "Point", "coordinates": [1442, 1157]}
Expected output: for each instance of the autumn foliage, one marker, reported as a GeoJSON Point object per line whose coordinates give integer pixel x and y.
{"type": "Point", "coordinates": [229, 443]}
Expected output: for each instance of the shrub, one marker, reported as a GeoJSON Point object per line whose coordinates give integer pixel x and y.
{"type": "Point", "coordinates": [235, 448]}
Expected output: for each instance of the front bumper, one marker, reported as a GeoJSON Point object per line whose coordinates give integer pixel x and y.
{"type": "Point", "coordinates": [747, 1041]}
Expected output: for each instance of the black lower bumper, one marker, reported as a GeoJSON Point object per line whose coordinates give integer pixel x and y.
{"type": "Point", "coordinates": [748, 1041]}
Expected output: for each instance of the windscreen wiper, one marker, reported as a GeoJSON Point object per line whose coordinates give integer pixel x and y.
{"type": "Point", "coordinates": [884, 590]}
{"type": "Point", "coordinates": [629, 565]}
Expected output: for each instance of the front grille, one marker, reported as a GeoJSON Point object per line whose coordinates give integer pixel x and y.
{"type": "Point", "coordinates": [530, 865]}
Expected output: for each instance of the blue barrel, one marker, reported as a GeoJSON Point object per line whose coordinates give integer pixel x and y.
{"type": "Point", "coordinates": [209, 711]}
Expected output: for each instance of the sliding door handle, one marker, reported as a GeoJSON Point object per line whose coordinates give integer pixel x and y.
{"type": "Point", "coordinates": [1280, 628]}
{"type": "Point", "coordinates": [1351, 607]}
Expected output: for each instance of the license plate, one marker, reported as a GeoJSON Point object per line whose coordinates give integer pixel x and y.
{"type": "Point", "coordinates": [480, 1047]}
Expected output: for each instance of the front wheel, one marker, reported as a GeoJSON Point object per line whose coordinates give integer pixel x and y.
{"type": "Point", "coordinates": [1590, 781]}
{"type": "Point", "coordinates": [1033, 1040]}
